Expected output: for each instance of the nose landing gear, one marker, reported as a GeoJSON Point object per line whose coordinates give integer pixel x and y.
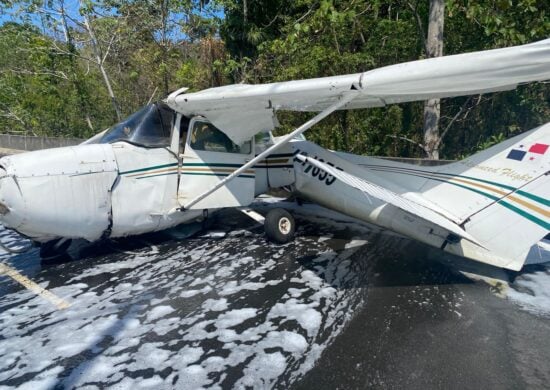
{"type": "Point", "coordinates": [52, 250]}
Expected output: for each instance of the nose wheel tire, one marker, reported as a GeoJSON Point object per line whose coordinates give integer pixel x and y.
{"type": "Point", "coordinates": [279, 226]}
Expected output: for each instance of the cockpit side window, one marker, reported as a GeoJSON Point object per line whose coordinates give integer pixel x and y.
{"type": "Point", "coordinates": [205, 136]}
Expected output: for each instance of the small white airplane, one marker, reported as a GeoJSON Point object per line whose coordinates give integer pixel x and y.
{"type": "Point", "coordinates": [179, 160]}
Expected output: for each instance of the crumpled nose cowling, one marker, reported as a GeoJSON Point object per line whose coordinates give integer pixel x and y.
{"type": "Point", "coordinates": [3, 208]}
{"type": "Point", "coordinates": [12, 203]}
{"type": "Point", "coordinates": [62, 192]}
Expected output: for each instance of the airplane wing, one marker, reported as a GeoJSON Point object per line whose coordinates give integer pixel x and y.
{"type": "Point", "coordinates": [243, 110]}
{"type": "Point", "coordinates": [385, 195]}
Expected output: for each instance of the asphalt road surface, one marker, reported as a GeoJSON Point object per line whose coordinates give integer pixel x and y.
{"type": "Point", "coordinates": [343, 306]}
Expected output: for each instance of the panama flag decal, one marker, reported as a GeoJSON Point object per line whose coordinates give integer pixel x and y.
{"type": "Point", "coordinates": [528, 154]}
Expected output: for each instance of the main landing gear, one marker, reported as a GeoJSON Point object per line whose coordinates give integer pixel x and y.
{"type": "Point", "coordinates": [279, 224]}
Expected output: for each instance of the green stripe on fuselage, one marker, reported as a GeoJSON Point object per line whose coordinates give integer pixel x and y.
{"type": "Point", "coordinates": [498, 200]}
{"type": "Point", "coordinates": [515, 190]}
{"type": "Point", "coordinates": [220, 165]}
{"type": "Point", "coordinates": [149, 168]}
{"type": "Point", "coordinates": [215, 174]}
{"type": "Point", "coordinates": [160, 174]}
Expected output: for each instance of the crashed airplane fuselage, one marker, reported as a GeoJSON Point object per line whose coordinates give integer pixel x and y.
{"type": "Point", "coordinates": [177, 161]}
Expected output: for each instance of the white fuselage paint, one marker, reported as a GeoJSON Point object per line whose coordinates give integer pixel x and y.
{"type": "Point", "coordinates": [91, 192]}
{"type": "Point", "coordinates": [320, 187]}
{"type": "Point", "coordinates": [314, 184]}
{"type": "Point", "coordinates": [96, 191]}
{"type": "Point", "coordinates": [61, 192]}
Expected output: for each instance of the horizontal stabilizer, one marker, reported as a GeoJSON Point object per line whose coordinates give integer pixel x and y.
{"type": "Point", "coordinates": [385, 195]}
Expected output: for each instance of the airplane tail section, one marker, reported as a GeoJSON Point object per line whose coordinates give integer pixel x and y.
{"type": "Point", "coordinates": [511, 183]}
{"type": "Point", "coordinates": [499, 196]}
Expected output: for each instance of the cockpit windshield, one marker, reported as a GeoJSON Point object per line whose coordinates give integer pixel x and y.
{"type": "Point", "coordinates": [148, 127]}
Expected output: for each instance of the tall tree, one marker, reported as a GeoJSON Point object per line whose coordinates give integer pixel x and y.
{"type": "Point", "coordinates": [50, 81]}
{"type": "Point", "coordinates": [434, 48]}
{"type": "Point", "coordinates": [100, 57]}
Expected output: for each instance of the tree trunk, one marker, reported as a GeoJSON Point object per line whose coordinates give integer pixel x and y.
{"type": "Point", "coordinates": [244, 39]}
{"type": "Point", "coordinates": [74, 77]}
{"type": "Point", "coordinates": [434, 48]}
{"type": "Point", "coordinates": [164, 45]}
{"type": "Point", "coordinates": [99, 59]}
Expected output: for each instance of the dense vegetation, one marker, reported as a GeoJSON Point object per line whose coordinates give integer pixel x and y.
{"type": "Point", "coordinates": [73, 68]}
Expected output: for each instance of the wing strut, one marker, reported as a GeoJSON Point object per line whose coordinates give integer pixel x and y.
{"type": "Point", "coordinates": [344, 99]}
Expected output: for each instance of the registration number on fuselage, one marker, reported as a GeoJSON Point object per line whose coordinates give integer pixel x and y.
{"type": "Point", "coordinates": [314, 171]}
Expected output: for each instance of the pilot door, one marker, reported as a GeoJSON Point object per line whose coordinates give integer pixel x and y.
{"type": "Point", "coordinates": [208, 157]}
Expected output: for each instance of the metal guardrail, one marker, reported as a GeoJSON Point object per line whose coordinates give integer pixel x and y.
{"type": "Point", "coordinates": [21, 142]}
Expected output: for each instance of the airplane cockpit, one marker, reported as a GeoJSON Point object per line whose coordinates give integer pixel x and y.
{"type": "Point", "coordinates": [149, 127]}
{"type": "Point", "coordinates": [152, 127]}
{"type": "Point", "coordinates": [207, 137]}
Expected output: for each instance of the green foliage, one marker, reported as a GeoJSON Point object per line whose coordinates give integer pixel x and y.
{"type": "Point", "coordinates": [36, 92]}
{"type": "Point", "coordinates": [341, 38]}
{"type": "Point", "coordinates": [479, 25]}
{"type": "Point", "coordinates": [506, 22]}
{"type": "Point", "coordinates": [50, 77]}
{"type": "Point", "coordinates": [50, 82]}
{"type": "Point", "coordinates": [346, 37]}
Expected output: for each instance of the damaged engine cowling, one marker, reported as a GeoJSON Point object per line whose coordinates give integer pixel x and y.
{"type": "Point", "coordinates": [65, 192]}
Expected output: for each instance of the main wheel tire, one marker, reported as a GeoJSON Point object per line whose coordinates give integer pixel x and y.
{"type": "Point", "coordinates": [279, 226]}
{"type": "Point", "coordinates": [54, 249]}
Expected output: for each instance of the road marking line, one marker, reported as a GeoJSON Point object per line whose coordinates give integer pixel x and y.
{"type": "Point", "coordinates": [32, 286]}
